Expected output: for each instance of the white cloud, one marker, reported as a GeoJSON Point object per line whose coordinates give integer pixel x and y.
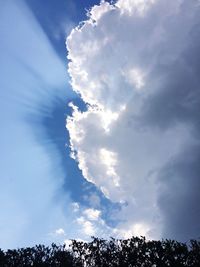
{"type": "Point", "coordinates": [120, 64]}
{"type": "Point", "coordinates": [134, 6]}
{"type": "Point", "coordinates": [87, 227]}
{"type": "Point", "coordinates": [98, 11]}
{"type": "Point", "coordinates": [92, 214]}
{"type": "Point", "coordinates": [91, 223]}
{"type": "Point", "coordinates": [137, 229]}
{"type": "Point", "coordinates": [60, 231]}
{"type": "Point", "coordinates": [109, 159]}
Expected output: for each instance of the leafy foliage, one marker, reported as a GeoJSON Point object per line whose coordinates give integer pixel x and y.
{"type": "Point", "coordinates": [136, 252]}
{"type": "Point", "coordinates": [38, 256]}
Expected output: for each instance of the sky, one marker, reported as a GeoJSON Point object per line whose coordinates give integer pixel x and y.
{"type": "Point", "coordinates": [99, 113]}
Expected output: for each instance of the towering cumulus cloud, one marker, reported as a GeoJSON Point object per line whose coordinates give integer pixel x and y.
{"type": "Point", "coordinates": [136, 64]}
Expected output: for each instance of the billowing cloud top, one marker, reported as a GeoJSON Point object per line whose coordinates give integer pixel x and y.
{"type": "Point", "coordinates": [136, 64]}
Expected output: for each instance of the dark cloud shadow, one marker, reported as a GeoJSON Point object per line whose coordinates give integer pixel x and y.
{"type": "Point", "coordinates": [179, 196]}
{"type": "Point", "coordinates": [178, 103]}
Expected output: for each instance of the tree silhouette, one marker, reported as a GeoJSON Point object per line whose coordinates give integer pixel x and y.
{"type": "Point", "coordinates": [133, 252]}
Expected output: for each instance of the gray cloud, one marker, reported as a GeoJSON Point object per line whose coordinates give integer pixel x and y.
{"type": "Point", "coordinates": [178, 103]}
{"type": "Point", "coordinates": [179, 196]}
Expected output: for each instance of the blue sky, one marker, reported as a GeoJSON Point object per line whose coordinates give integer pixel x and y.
{"type": "Point", "coordinates": [133, 127]}
{"type": "Point", "coordinates": [39, 180]}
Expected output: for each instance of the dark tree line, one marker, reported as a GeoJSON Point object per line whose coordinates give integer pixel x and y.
{"type": "Point", "coordinates": [135, 251]}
